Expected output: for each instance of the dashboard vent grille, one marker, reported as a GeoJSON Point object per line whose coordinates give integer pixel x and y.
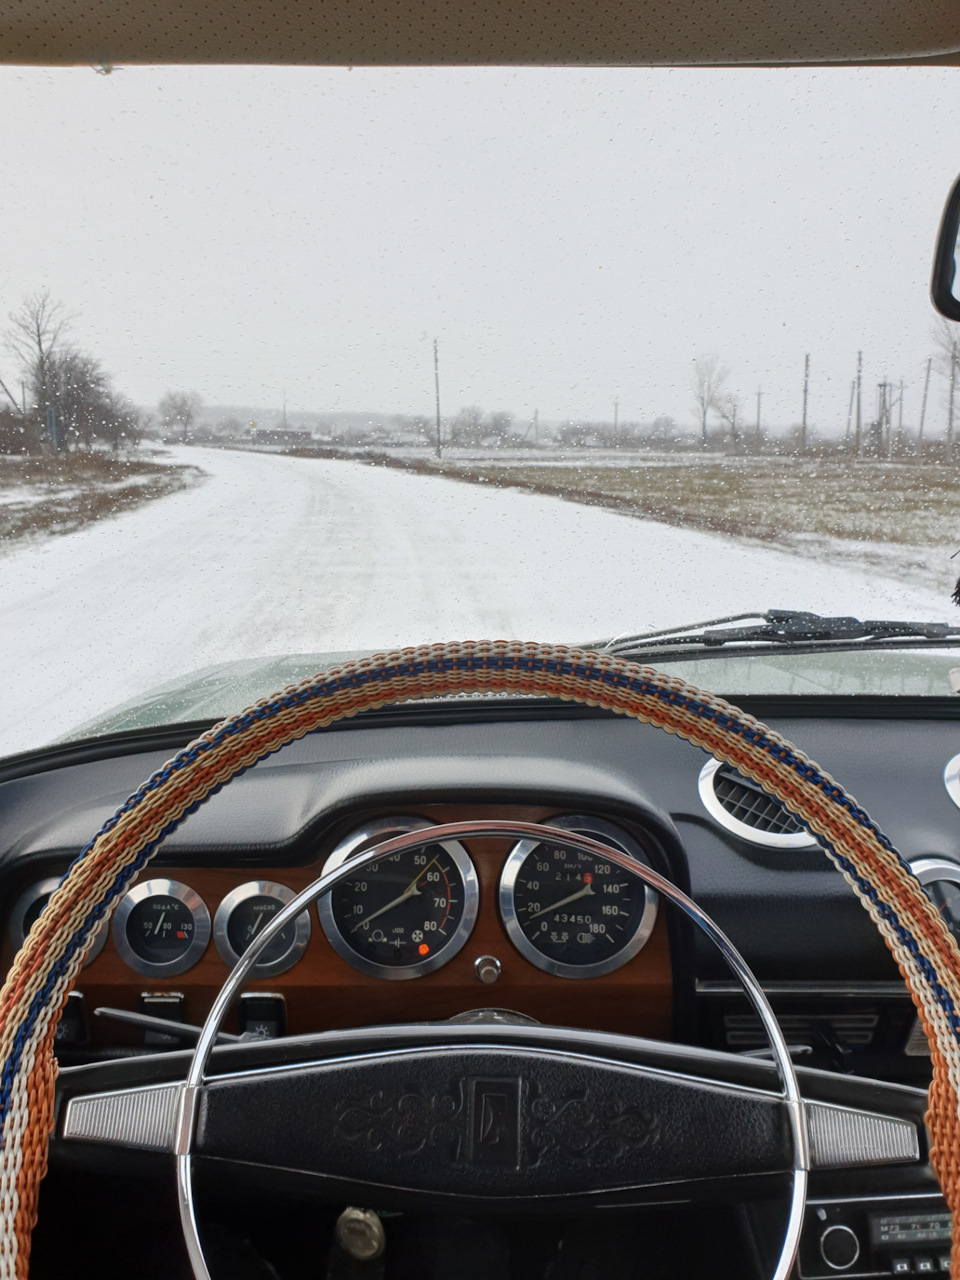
{"type": "Point", "coordinates": [848, 1030]}
{"type": "Point", "coordinates": [744, 808]}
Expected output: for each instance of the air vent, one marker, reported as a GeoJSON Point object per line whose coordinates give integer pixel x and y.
{"type": "Point", "coordinates": [848, 1030]}
{"type": "Point", "coordinates": [744, 808]}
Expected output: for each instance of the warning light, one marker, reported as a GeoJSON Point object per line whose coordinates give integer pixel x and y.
{"type": "Point", "coordinates": [423, 949]}
{"type": "Point", "coordinates": [181, 934]}
{"type": "Point", "coordinates": [588, 877]}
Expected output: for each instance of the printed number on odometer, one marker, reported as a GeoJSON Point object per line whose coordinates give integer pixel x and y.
{"type": "Point", "coordinates": [574, 908]}
{"type": "Point", "coordinates": [402, 910]}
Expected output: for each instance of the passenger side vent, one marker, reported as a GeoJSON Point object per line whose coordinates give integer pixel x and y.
{"type": "Point", "coordinates": [847, 1030]}
{"type": "Point", "coordinates": [745, 809]}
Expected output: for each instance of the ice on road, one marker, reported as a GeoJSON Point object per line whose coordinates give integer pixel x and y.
{"type": "Point", "coordinates": [275, 555]}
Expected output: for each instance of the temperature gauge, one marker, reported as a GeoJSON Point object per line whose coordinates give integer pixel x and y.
{"type": "Point", "coordinates": [161, 928]}
{"type": "Point", "coordinates": [244, 912]}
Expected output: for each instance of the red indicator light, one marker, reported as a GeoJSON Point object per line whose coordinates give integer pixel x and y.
{"type": "Point", "coordinates": [588, 877]}
{"type": "Point", "coordinates": [423, 949]}
{"type": "Point", "coordinates": [181, 934]}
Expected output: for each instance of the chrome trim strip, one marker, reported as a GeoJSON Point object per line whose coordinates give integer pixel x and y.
{"type": "Point", "coordinates": [201, 928]}
{"type": "Point", "coordinates": [508, 912]}
{"type": "Point", "coordinates": [144, 1118]}
{"type": "Point", "coordinates": [43, 889]}
{"type": "Point", "coordinates": [846, 1137]}
{"type": "Point", "coordinates": [378, 830]}
{"type": "Point", "coordinates": [877, 990]}
{"type": "Point", "coordinates": [259, 889]}
{"type": "Point", "coordinates": [769, 840]}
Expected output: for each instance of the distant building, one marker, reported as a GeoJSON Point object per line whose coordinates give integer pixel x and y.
{"type": "Point", "coordinates": [282, 438]}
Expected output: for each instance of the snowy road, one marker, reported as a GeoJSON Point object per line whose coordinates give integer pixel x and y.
{"type": "Point", "coordinates": [275, 555]}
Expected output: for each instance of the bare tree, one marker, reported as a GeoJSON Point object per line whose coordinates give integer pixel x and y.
{"type": "Point", "coordinates": [36, 336]}
{"type": "Point", "coordinates": [178, 411]}
{"type": "Point", "coordinates": [707, 381]}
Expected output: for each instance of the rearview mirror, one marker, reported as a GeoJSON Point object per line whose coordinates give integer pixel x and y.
{"type": "Point", "coordinates": [943, 283]}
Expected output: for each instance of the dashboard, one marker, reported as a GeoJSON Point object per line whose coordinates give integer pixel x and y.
{"type": "Point", "coordinates": [529, 938]}
{"type": "Point", "coordinates": [479, 937]}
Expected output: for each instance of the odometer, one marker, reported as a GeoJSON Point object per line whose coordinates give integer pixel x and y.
{"type": "Point", "coordinates": [403, 915]}
{"type": "Point", "coordinates": [573, 913]}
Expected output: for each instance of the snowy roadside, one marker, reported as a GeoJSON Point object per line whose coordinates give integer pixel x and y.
{"type": "Point", "coordinates": [41, 497]}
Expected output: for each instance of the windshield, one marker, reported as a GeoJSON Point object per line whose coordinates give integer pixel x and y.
{"type": "Point", "coordinates": [319, 361]}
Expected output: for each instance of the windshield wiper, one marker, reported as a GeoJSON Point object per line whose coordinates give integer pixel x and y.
{"type": "Point", "coordinates": [783, 629]}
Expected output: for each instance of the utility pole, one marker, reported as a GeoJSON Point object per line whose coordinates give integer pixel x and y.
{"type": "Point", "coordinates": [436, 383]}
{"type": "Point", "coordinates": [536, 428]}
{"type": "Point", "coordinates": [759, 398]}
{"type": "Point", "coordinates": [953, 384]}
{"type": "Point", "coordinates": [923, 410]}
{"type": "Point", "coordinates": [806, 385]}
{"type": "Point", "coordinates": [858, 438]}
{"type": "Point", "coordinates": [853, 392]}
{"type": "Point", "coordinates": [616, 424]}
{"type": "Point", "coordinates": [900, 418]}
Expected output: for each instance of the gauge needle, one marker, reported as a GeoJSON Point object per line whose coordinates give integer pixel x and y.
{"type": "Point", "coordinates": [410, 891]}
{"type": "Point", "coordinates": [163, 916]}
{"type": "Point", "coordinates": [259, 922]}
{"type": "Point", "coordinates": [555, 906]}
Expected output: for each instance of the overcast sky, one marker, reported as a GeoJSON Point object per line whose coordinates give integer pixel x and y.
{"type": "Point", "coordinates": [569, 236]}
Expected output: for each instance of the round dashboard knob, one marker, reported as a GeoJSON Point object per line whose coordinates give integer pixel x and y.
{"type": "Point", "coordinates": [839, 1247]}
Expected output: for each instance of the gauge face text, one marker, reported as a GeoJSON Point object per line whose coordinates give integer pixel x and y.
{"type": "Point", "coordinates": [250, 916]}
{"type": "Point", "coordinates": [402, 910]}
{"type": "Point", "coordinates": [575, 908]}
{"type": "Point", "coordinates": [160, 929]}
{"type": "Point", "coordinates": [570, 911]}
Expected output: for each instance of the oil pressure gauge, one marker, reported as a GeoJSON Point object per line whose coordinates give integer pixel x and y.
{"type": "Point", "coordinates": [161, 928]}
{"type": "Point", "coordinates": [572, 913]}
{"type": "Point", "coordinates": [244, 912]}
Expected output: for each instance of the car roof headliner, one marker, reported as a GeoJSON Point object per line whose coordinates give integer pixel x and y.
{"type": "Point", "coordinates": [480, 32]}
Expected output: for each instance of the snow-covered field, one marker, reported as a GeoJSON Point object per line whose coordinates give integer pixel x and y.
{"type": "Point", "coordinates": [275, 555]}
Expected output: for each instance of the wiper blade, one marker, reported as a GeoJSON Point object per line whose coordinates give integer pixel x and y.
{"type": "Point", "coordinates": [780, 628]}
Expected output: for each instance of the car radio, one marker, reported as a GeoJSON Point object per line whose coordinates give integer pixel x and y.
{"type": "Point", "coordinates": [889, 1236]}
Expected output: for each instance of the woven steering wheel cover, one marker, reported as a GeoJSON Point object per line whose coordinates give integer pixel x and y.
{"type": "Point", "coordinates": [45, 968]}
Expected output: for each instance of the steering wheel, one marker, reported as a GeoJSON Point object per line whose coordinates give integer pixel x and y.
{"type": "Point", "coordinates": [44, 970]}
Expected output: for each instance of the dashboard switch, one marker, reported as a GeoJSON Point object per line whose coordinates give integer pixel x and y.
{"type": "Point", "coordinates": [162, 1004]}
{"type": "Point", "coordinates": [263, 1015]}
{"type": "Point", "coordinates": [72, 1027]}
{"type": "Point", "coordinates": [900, 1266]}
{"type": "Point", "coordinates": [924, 1266]}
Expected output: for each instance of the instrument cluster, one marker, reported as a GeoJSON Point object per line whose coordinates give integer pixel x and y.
{"type": "Point", "coordinates": [566, 911]}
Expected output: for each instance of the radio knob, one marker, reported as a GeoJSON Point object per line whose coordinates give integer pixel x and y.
{"type": "Point", "coordinates": [839, 1247]}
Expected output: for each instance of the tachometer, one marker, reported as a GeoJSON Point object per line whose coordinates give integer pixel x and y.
{"type": "Point", "coordinates": [572, 913]}
{"type": "Point", "coordinates": [404, 915]}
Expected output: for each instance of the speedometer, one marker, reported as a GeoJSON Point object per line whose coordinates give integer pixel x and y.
{"type": "Point", "coordinates": [573, 913]}
{"type": "Point", "coordinates": [403, 915]}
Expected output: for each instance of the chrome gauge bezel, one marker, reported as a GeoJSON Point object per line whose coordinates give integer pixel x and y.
{"type": "Point", "coordinates": [600, 830]}
{"type": "Point", "coordinates": [201, 928]}
{"type": "Point", "coordinates": [43, 889]}
{"type": "Point", "coordinates": [259, 889]}
{"type": "Point", "coordinates": [752, 835]}
{"type": "Point", "coordinates": [363, 838]}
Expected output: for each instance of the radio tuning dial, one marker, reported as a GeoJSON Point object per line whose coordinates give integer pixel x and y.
{"type": "Point", "coordinates": [839, 1247]}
